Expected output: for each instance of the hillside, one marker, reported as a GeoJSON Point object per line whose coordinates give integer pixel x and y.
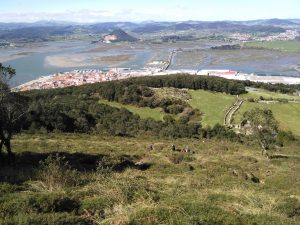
{"type": "Point", "coordinates": [119, 35]}
{"type": "Point", "coordinates": [152, 150]}
{"type": "Point", "coordinates": [222, 183]}
{"type": "Point", "coordinates": [51, 30]}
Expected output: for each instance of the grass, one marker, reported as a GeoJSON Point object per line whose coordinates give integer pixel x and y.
{"type": "Point", "coordinates": [284, 46]}
{"type": "Point", "coordinates": [143, 112]}
{"type": "Point", "coordinates": [287, 114]}
{"type": "Point", "coordinates": [213, 105]}
{"type": "Point", "coordinates": [208, 187]}
{"type": "Point", "coordinates": [256, 93]}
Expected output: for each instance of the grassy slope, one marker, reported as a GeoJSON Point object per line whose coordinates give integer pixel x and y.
{"type": "Point", "coordinates": [285, 46]}
{"type": "Point", "coordinates": [174, 194]}
{"type": "Point", "coordinates": [213, 105]}
{"type": "Point", "coordinates": [287, 114]}
{"type": "Point", "coordinates": [143, 112]}
{"type": "Point", "coordinates": [256, 93]}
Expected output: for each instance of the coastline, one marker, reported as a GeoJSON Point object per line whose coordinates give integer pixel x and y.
{"type": "Point", "coordinates": [80, 77]}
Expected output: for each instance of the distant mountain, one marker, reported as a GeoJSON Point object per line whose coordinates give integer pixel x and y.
{"type": "Point", "coordinates": [297, 21]}
{"type": "Point", "coordinates": [149, 28]}
{"type": "Point", "coordinates": [204, 25]}
{"type": "Point", "coordinates": [279, 22]}
{"type": "Point", "coordinates": [110, 26]}
{"type": "Point", "coordinates": [35, 33]}
{"type": "Point", "coordinates": [119, 35]}
{"type": "Point", "coordinates": [269, 22]}
{"type": "Point", "coordinates": [42, 23]}
{"type": "Point", "coordinates": [45, 30]}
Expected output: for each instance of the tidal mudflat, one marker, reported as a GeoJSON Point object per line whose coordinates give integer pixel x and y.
{"type": "Point", "coordinates": [35, 60]}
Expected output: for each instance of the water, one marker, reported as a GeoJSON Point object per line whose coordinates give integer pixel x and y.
{"type": "Point", "coordinates": [33, 62]}
{"type": "Point", "coordinates": [262, 62]}
{"type": "Point", "coordinates": [33, 65]}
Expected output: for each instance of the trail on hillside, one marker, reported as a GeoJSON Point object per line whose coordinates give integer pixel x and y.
{"type": "Point", "coordinates": [229, 115]}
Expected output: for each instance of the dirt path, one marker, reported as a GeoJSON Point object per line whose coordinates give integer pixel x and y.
{"type": "Point", "coordinates": [228, 118]}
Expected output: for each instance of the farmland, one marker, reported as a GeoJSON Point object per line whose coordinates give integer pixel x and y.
{"type": "Point", "coordinates": [284, 46]}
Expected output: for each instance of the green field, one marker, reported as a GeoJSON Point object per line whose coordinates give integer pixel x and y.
{"type": "Point", "coordinates": [256, 93]}
{"type": "Point", "coordinates": [213, 105]}
{"type": "Point", "coordinates": [287, 114]}
{"type": "Point", "coordinates": [133, 185]}
{"type": "Point", "coordinates": [143, 112]}
{"type": "Point", "coordinates": [284, 46]}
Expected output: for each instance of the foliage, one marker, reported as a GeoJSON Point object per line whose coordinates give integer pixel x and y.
{"type": "Point", "coordinates": [263, 124]}
{"type": "Point", "coordinates": [56, 174]}
{"type": "Point", "coordinates": [284, 137]}
{"type": "Point", "coordinates": [12, 107]}
{"type": "Point", "coordinates": [67, 113]}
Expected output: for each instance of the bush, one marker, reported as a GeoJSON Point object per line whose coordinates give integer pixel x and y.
{"type": "Point", "coordinates": [104, 168]}
{"type": "Point", "coordinates": [6, 188]}
{"type": "Point", "coordinates": [56, 174]}
{"type": "Point", "coordinates": [284, 137]}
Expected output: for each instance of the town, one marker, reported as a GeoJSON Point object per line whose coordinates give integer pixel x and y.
{"type": "Point", "coordinates": [80, 77]}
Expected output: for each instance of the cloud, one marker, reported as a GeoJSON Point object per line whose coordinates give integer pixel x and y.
{"type": "Point", "coordinates": [91, 16]}
{"type": "Point", "coordinates": [83, 16]}
{"type": "Point", "coordinates": [177, 13]}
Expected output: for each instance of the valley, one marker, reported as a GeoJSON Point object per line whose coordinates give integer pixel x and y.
{"type": "Point", "coordinates": [190, 122]}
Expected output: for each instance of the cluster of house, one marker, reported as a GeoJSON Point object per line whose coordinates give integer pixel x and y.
{"type": "Point", "coordinates": [285, 36]}
{"type": "Point", "coordinates": [80, 77]}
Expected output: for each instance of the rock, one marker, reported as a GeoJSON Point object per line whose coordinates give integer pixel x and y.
{"type": "Point", "coordinates": [250, 176]}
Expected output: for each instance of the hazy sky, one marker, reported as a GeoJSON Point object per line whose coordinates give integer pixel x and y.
{"type": "Point", "coordinates": [142, 10]}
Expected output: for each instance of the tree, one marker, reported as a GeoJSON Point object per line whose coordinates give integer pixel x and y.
{"type": "Point", "coordinates": [264, 127]}
{"type": "Point", "coordinates": [12, 107]}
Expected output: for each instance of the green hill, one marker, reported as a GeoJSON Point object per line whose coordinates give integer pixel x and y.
{"type": "Point", "coordinates": [222, 183]}
{"type": "Point", "coordinates": [149, 151]}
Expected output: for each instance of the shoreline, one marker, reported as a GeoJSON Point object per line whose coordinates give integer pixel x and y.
{"type": "Point", "coordinates": [80, 77]}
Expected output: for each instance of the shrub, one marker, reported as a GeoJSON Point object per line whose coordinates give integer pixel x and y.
{"type": "Point", "coordinates": [104, 168]}
{"type": "Point", "coordinates": [284, 137]}
{"type": "Point", "coordinates": [6, 188]}
{"type": "Point", "coordinates": [56, 174]}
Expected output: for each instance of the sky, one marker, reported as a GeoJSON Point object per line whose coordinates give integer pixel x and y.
{"type": "Point", "coordinates": [90, 11]}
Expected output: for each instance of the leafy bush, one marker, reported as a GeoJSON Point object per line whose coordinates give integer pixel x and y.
{"type": "Point", "coordinates": [104, 168]}
{"type": "Point", "coordinates": [56, 174]}
{"type": "Point", "coordinates": [6, 188]}
{"type": "Point", "coordinates": [284, 137]}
